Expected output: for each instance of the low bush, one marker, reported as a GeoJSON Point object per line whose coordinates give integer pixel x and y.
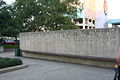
{"type": "Point", "coordinates": [11, 46]}
{"type": "Point", "coordinates": [9, 62]}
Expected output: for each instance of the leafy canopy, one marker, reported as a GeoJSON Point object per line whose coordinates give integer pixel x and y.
{"type": "Point", "coordinates": [32, 15]}
{"type": "Point", "coordinates": [7, 24]}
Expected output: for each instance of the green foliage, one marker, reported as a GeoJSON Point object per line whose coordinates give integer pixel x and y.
{"type": "Point", "coordinates": [8, 26]}
{"type": "Point", "coordinates": [32, 15]}
{"type": "Point", "coordinates": [11, 46]}
{"type": "Point", "coordinates": [8, 62]}
{"type": "Point", "coordinates": [1, 45]}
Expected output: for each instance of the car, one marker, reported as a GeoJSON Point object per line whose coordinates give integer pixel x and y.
{"type": "Point", "coordinates": [10, 42]}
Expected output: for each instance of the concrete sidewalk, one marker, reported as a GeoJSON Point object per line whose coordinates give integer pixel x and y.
{"type": "Point", "coordinates": [50, 70]}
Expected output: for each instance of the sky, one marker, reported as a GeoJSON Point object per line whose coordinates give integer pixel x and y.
{"type": "Point", "coordinates": [9, 1]}
{"type": "Point", "coordinates": [113, 8]}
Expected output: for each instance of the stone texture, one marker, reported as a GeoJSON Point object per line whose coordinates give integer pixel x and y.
{"type": "Point", "coordinates": [103, 43]}
{"type": "Point", "coordinates": [90, 42]}
{"type": "Point", "coordinates": [14, 68]}
{"type": "Point", "coordinates": [99, 63]}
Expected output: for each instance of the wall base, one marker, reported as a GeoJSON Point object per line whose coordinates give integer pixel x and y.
{"type": "Point", "coordinates": [86, 61]}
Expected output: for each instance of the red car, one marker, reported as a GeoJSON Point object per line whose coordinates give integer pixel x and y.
{"type": "Point", "coordinates": [10, 42]}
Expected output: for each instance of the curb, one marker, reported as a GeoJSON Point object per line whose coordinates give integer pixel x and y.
{"type": "Point", "coordinates": [5, 70]}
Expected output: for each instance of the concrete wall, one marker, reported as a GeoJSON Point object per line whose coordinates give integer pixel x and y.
{"type": "Point", "coordinates": [96, 47]}
{"type": "Point", "coordinates": [1, 49]}
{"type": "Point", "coordinates": [93, 42]}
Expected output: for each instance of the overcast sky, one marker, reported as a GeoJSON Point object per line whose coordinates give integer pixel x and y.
{"type": "Point", "coordinates": [9, 1]}
{"type": "Point", "coordinates": [113, 8]}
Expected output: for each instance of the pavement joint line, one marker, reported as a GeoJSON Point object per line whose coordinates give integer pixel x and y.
{"type": "Point", "coordinates": [14, 68]}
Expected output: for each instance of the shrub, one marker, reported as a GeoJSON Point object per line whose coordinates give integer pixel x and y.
{"type": "Point", "coordinates": [10, 46]}
{"type": "Point", "coordinates": [6, 59]}
{"type": "Point", "coordinates": [8, 62]}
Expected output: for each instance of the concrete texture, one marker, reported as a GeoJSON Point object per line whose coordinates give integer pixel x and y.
{"type": "Point", "coordinates": [92, 62]}
{"type": "Point", "coordinates": [49, 70]}
{"type": "Point", "coordinates": [9, 69]}
{"type": "Point", "coordinates": [1, 49]}
{"type": "Point", "coordinates": [101, 43]}
{"type": "Point", "coordinates": [90, 42]}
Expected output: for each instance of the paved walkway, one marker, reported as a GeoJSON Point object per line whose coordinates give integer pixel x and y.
{"type": "Point", "coordinates": [50, 70]}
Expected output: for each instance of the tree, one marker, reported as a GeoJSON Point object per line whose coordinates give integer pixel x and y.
{"type": "Point", "coordinates": [32, 15]}
{"type": "Point", "coordinates": [7, 24]}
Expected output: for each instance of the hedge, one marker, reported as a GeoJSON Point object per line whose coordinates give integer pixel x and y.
{"type": "Point", "coordinates": [10, 46]}
{"type": "Point", "coordinates": [9, 62]}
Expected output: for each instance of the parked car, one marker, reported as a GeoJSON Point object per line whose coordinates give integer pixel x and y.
{"type": "Point", "coordinates": [10, 42]}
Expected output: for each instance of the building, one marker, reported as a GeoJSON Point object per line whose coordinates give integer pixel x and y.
{"type": "Point", "coordinates": [113, 23]}
{"type": "Point", "coordinates": [93, 15]}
